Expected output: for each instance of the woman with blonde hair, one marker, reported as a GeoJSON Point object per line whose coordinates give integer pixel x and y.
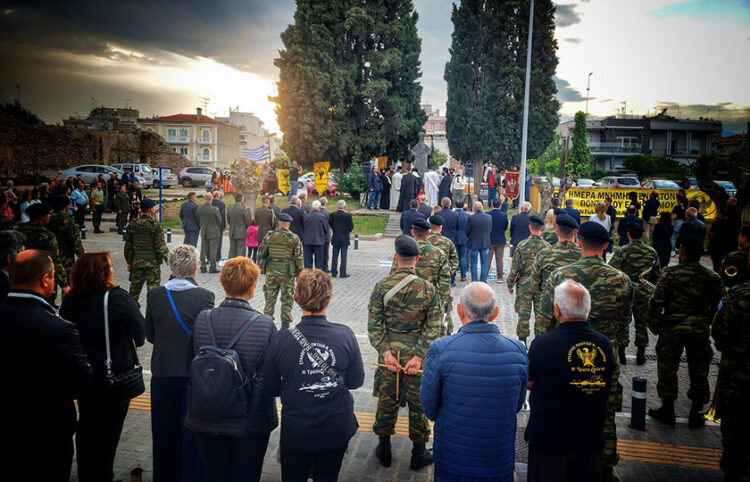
{"type": "Point", "coordinates": [549, 234]}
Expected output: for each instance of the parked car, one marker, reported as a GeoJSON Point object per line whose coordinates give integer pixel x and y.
{"type": "Point", "coordinates": [332, 185]}
{"type": "Point", "coordinates": [728, 187]}
{"type": "Point", "coordinates": [89, 172]}
{"type": "Point", "coordinates": [659, 183]}
{"type": "Point", "coordinates": [167, 178]}
{"type": "Point", "coordinates": [195, 176]}
{"type": "Point", "coordinates": [626, 182]}
{"type": "Point", "coordinates": [584, 182]}
{"type": "Point", "coordinates": [142, 172]}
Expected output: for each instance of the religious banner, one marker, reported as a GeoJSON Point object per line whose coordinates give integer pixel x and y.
{"type": "Point", "coordinates": [585, 199]}
{"type": "Point", "coordinates": [282, 176]}
{"type": "Point", "coordinates": [321, 176]}
{"type": "Point", "coordinates": [382, 162]}
{"type": "Point", "coordinates": [512, 184]}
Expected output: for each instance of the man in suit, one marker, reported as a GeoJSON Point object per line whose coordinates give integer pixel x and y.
{"type": "Point", "coordinates": [409, 216]}
{"type": "Point", "coordinates": [478, 229]}
{"type": "Point", "coordinates": [239, 219]}
{"type": "Point", "coordinates": [571, 211]}
{"type": "Point", "coordinates": [314, 236]}
{"type": "Point", "coordinates": [304, 206]}
{"type": "Point", "coordinates": [519, 227]}
{"type": "Point", "coordinates": [210, 221]}
{"type": "Point", "coordinates": [342, 225]}
{"type": "Point", "coordinates": [497, 237]}
{"type": "Point", "coordinates": [274, 207]}
{"type": "Point", "coordinates": [219, 204]}
{"type": "Point", "coordinates": [462, 218]}
{"type": "Point", "coordinates": [298, 217]}
{"type": "Point", "coordinates": [265, 218]}
{"type": "Point", "coordinates": [190, 224]}
{"type": "Point", "coordinates": [450, 219]}
{"type": "Point", "coordinates": [327, 246]}
{"type": "Point", "coordinates": [424, 208]}
{"type": "Point", "coordinates": [46, 368]}
{"type": "Point", "coordinates": [11, 243]}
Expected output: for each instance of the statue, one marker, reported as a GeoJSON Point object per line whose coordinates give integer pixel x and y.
{"type": "Point", "coordinates": [421, 155]}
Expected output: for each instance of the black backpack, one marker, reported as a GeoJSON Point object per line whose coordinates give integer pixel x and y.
{"type": "Point", "coordinates": [219, 388]}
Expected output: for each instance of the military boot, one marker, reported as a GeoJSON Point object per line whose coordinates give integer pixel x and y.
{"type": "Point", "coordinates": [420, 457]}
{"type": "Point", "coordinates": [664, 414]}
{"type": "Point", "coordinates": [696, 420]}
{"type": "Point", "coordinates": [383, 450]}
{"type": "Point", "coordinates": [621, 354]}
{"type": "Point", "coordinates": [640, 357]}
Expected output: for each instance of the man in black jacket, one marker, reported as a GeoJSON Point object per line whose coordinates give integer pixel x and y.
{"type": "Point", "coordinates": [45, 368]}
{"type": "Point", "coordinates": [342, 225]}
{"type": "Point", "coordinates": [478, 229]}
{"type": "Point", "coordinates": [11, 243]}
{"type": "Point", "coordinates": [519, 227]}
{"type": "Point", "coordinates": [407, 217]}
{"type": "Point", "coordinates": [314, 235]}
{"type": "Point", "coordinates": [298, 216]}
{"type": "Point", "coordinates": [223, 213]}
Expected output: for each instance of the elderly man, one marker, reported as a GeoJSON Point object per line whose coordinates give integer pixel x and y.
{"type": "Point", "coordinates": [475, 421]}
{"type": "Point", "coordinates": [424, 207]}
{"type": "Point", "coordinates": [218, 203]}
{"type": "Point", "coordinates": [265, 217]}
{"type": "Point", "coordinates": [303, 200]}
{"type": "Point", "coordinates": [298, 216]}
{"type": "Point", "coordinates": [519, 227]}
{"type": "Point", "coordinates": [190, 223]}
{"type": "Point", "coordinates": [408, 217]}
{"type": "Point", "coordinates": [571, 211]}
{"type": "Point", "coordinates": [327, 246]}
{"type": "Point", "coordinates": [478, 229]}
{"type": "Point", "coordinates": [342, 225]}
{"type": "Point", "coordinates": [570, 374]}
{"type": "Point", "coordinates": [239, 219]}
{"type": "Point", "coordinates": [210, 223]}
{"type": "Point", "coordinates": [692, 227]}
{"type": "Point", "coordinates": [314, 236]}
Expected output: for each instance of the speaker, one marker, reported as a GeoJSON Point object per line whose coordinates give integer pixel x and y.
{"type": "Point", "coordinates": [366, 167]}
{"type": "Point", "coordinates": [469, 169]}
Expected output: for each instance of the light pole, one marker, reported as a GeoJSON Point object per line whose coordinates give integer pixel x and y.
{"type": "Point", "coordinates": [588, 87]}
{"type": "Point", "coordinates": [525, 132]}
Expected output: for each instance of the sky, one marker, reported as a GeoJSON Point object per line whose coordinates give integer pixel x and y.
{"type": "Point", "coordinates": [689, 56]}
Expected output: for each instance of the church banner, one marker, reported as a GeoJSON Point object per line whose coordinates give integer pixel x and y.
{"type": "Point", "coordinates": [512, 184]}
{"type": "Point", "coordinates": [321, 176]}
{"type": "Point", "coordinates": [585, 199]}
{"type": "Point", "coordinates": [282, 175]}
{"type": "Point", "coordinates": [382, 162]}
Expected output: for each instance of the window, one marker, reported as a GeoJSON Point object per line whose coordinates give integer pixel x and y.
{"type": "Point", "coordinates": [206, 136]}
{"type": "Point", "coordinates": [184, 151]}
{"type": "Point", "coordinates": [150, 129]}
{"type": "Point", "coordinates": [184, 132]}
{"type": "Point", "coordinates": [206, 152]}
{"type": "Point", "coordinates": [174, 149]}
{"type": "Point", "coordinates": [171, 132]}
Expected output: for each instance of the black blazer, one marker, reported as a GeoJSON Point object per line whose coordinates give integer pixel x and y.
{"type": "Point", "coordinates": [450, 224]}
{"type": "Point", "coordinates": [298, 220]}
{"type": "Point", "coordinates": [519, 228]}
{"type": "Point", "coordinates": [189, 216]}
{"type": "Point", "coordinates": [478, 229]}
{"type": "Point", "coordinates": [407, 217]}
{"type": "Point", "coordinates": [425, 209]}
{"type": "Point", "coordinates": [342, 225]}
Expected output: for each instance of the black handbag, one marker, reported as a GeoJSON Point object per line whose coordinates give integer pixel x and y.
{"type": "Point", "coordinates": [121, 387]}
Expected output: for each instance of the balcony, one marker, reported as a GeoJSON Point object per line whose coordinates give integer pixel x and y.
{"type": "Point", "coordinates": [178, 139]}
{"type": "Point", "coordinates": [205, 140]}
{"type": "Point", "coordinates": [204, 159]}
{"type": "Point", "coordinates": [602, 147]}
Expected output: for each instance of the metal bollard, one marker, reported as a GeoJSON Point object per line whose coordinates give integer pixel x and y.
{"type": "Point", "coordinates": [169, 235]}
{"type": "Point", "coordinates": [356, 241]}
{"type": "Point", "coordinates": [124, 232]}
{"type": "Point", "coordinates": [83, 232]}
{"type": "Point", "coordinates": [638, 405]}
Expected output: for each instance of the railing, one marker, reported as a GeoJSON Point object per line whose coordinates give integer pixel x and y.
{"type": "Point", "coordinates": [675, 152]}
{"type": "Point", "coordinates": [204, 159]}
{"type": "Point", "coordinates": [614, 147]}
{"type": "Point", "coordinates": [205, 140]}
{"type": "Point", "coordinates": [178, 139]}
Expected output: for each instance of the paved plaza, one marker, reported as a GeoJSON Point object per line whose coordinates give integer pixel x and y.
{"type": "Point", "coordinates": [660, 453]}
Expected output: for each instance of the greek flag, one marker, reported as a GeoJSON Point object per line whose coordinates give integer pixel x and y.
{"type": "Point", "coordinates": [262, 153]}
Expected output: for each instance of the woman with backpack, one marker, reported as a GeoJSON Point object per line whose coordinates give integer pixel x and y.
{"type": "Point", "coordinates": [312, 367]}
{"type": "Point", "coordinates": [230, 416]}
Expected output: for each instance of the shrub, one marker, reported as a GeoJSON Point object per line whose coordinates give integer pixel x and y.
{"type": "Point", "coordinates": [353, 181]}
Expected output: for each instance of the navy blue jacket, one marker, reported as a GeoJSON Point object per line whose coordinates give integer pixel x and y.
{"type": "Point", "coordinates": [499, 225]}
{"type": "Point", "coordinates": [298, 220]}
{"type": "Point", "coordinates": [462, 218]}
{"type": "Point", "coordinates": [373, 182]}
{"type": "Point", "coordinates": [222, 212]}
{"type": "Point", "coordinates": [407, 217]}
{"type": "Point", "coordinates": [450, 224]}
{"type": "Point", "coordinates": [478, 229]}
{"type": "Point", "coordinates": [651, 209]}
{"type": "Point", "coordinates": [473, 385]}
{"type": "Point", "coordinates": [519, 228]}
{"type": "Point", "coordinates": [315, 228]}
{"type": "Point", "coordinates": [189, 216]}
{"type": "Point", "coordinates": [622, 228]}
{"type": "Point", "coordinates": [573, 213]}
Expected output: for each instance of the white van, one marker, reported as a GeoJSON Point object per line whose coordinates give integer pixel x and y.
{"type": "Point", "coordinates": [142, 172]}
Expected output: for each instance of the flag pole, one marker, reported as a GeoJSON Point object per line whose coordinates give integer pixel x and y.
{"type": "Point", "coordinates": [525, 134]}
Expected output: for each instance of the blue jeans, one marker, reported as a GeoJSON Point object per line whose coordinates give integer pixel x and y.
{"type": "Point", "coordinates": [293, 186]}
{"type": "Point", "coordinates": [461, 263]}
{"type": "Point", "coordinates": [490, 196]}
{"type": "Point", "coordinates": [484, 259]}
{"type": "Point", "coordinates": [374, 200]}
{"type": "Point", "coordinates": [677, 226]}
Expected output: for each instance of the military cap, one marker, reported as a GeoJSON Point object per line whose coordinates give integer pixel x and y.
{"type": "Point", "coordinates": [420, 224]}
{"type": "Point", "coordinates": [406, 246]}
{"type": "Point", "coordinates": [635, 228]}
{"type": "Point", "coordinates": [38, 210]}
{"type": "Point", "coordinates": [594, 232]}
{"type": "Point", "coordinates": [58, 202]}
{"type": "Point", "coordinates": [285, 217]}
{"type": "Point", "coordinates": [566, 221]}
{"type": "Point", "coordinates": [536, 220]}
{"type": "Point", "coordinates": [437, 220]}
{"type": "Point", "coordinates": [147, 204]}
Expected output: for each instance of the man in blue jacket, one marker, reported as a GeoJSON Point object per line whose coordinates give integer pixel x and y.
{"type": "Point", "coordinates": [571, 211]}
{"type": "Point", "coordinates": [408, 217]}
{"type": "Point", "coordinates": [462, 218]}
{"type": "Point", "coordinates": [190, 223]}
{"type": "Point", "coordinates": [497, 237]}
{"type": "Point", "coordinates": [375, 188]}
{"type": "Point", "coordinates": [473, 385]}
{"type": "Point", "coordinates": [450, 219]}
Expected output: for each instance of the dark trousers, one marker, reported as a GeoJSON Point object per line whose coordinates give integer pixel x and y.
{"type": "Point", "coordinates": [32, 455]}
{"type": "Point", "coordinates": [191, 238]}
{"type": "Point", "coordinates": [461, 248]}
{"type": "Point", "coordinates": [335, 265]}
{"type": "Point", "coordinates": [176, 455]}
{"type": "Point", "coordinates": [96, 216]}
{"type": "Point", "coordinates": [326, 251]}
{"type": "Point", "coordinates": [252, 253]}
{"type": "Point", "coordinates": [80, 215]}
{"type": "Point", "coordinates": [232, 459]}
{"type": "Point", "coordinates": [218, 250]}
{"type": "Point", "coordinates": [99, 429]}
{"type": "Point", "coordinates": [295, 466]}
{"type": "Point", "coordinates": [315, 250]}
{"type": "Point", "coordinates": [553, 467]}
{"type": "Point", "coordinates": [122, 221]}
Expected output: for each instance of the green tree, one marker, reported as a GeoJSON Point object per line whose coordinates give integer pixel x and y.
{"type": "Point", "coordinates": [711, 166]}
{"type": "Point", "coordinates": [579, 157]}
{"type": "Point", "coordinates": [19, 112]}
{"type": "Point", "coordinates": [353, 181]}
{"type": "Point", "coordinates": [438, 159]}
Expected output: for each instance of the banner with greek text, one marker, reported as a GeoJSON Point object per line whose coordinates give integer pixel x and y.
{"type": "Point", "coordinates": [585, 199]}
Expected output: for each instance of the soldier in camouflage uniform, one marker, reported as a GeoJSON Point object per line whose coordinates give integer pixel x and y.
{"type": "Point", "coordinates": [145, 250]}
{"type": "Point", "coordinates": [280, 257]}
{"type": "Point", "coordinates": [449, 249]}
{"type": "Point", "coordinates": [633, 259]}
{"type": "Point", "coordinates": [520, 274]}
{"type": "Point", "coordinates": [67, 232]}
{"type": "Point", "coordinates": [731, 332]}
{"type": "Point", "coordinates": [684, 303]}
{"type": "Point", "coordinates": [611, 310]}
{"type": "Point", "coordinates": [39, 237]}
{"type": "Point", "coordinates": [548, 259]}
{"type": "Point", "coordinates": [404, 317]}
{"type": "Point", "coordinates": [734, 270]}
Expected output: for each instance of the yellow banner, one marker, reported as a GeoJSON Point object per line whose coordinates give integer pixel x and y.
{"type": "Point", "coordinates": [585, 199]}
{"type": "Point", "coordinates": [282, 175]}
{"type": "Point", "coordinates": [382, 162]}
{"type": "Point", "coordinates": [321, 176]}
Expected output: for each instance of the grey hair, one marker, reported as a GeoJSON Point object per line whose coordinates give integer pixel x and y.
{"type": "Point", "coordinates": [573, 299]}
{"type": "Point", "coordinates": [316, 204]}
{"type": "Point", "coordinates": [525, 207]}
{"type": "Point", "coordinates": [209, 197]}
{"type": "Point", "coordinates": [303, 195]}
{"type": "Point", "coordinates": [477, 206]}
{"type": "Point", "coordinates": [183, 260]}
{"type": "Point", "coordinates": [341, 204]}
{"type": "Point", "coordinates": [692, 212]}
{"type": "Point", "coordinates": [478, 301]}
{"type": "Point", "coordinates": [569, 202]}
{"type": "Point", "coordinates": [294, 200]}
{"type": "Point", "coordinates": [323, 201]}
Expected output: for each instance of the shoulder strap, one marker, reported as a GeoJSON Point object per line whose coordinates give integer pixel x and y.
{"type": "Point", "coordinates": [174, 310]}
{"type": "Point", "coordinates": [242, 330]}
{"type": "Point", "coordinates": [408, 279]}
{"type": "Point", "coordinates": [315, 355]}
{"type": "Point", "coordinates": [108, 361]}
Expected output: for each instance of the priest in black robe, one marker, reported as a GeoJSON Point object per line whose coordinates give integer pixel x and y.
{"type": "Point", "coordinates": [409, 190]}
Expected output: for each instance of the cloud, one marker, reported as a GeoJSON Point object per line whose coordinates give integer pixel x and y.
{"type": "Point", "coordinates": [735, 11]}
{"type": "Point", "coordinates": [566, 93]}
{"type": "Point", "coordinates": [733, 117]}
{"type": "Point", "coordinates": [573, 40]}
{"type": "Point", "coordinates": [566, 15]}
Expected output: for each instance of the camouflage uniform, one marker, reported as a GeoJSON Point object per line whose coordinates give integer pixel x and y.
{"type": "Point", "coordinates": [409, 323]}
{"type": "Point", "coordinates": [550, 236]}
{"type": "Point", "coordinates": [684, 303]}
{"type": "Point", "coordinates": [280, 255]}
{"type": "Point", "coordinates": [145, 251]}
{"type": "Point", "coordinates": [731, 332]}
{"type": "Point", "coordinates": [433, 266]}
{"type": "Point", "coordinates": [633, 259]}
{"type": "Point", "coordinates": [738, 259]}
{"type": "Point", "coordinates": [547, 260]}
{"type": "Point", "coordinates": [520, 277]}
{"type": "Point", "coordinates": [39, 237]}
{"type": "Point", "coordinates": [68, 236]}
{"type": "Point", "coordinates": [449, 249]}
{"type": "Point", "coordinates": [611, 311]}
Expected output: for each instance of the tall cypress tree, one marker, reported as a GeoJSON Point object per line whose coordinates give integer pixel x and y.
{"type": "Point", "coordinates": [579, 157]}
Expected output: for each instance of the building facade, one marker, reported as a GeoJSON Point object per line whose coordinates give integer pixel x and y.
{"type": "Point", "coordinates": [199, 138]}
{"type": "Point", "coordinates": [252, 133]}
{"type": "Point", "coordinates": [434, 129]}
{"type": "Point", "coordinates": [105, 119]}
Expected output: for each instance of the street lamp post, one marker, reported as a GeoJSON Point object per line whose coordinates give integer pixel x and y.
{"type": "Point", "coordinates": [525, 133]}
{"type": "Point", "coordinates": [588, 87]}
